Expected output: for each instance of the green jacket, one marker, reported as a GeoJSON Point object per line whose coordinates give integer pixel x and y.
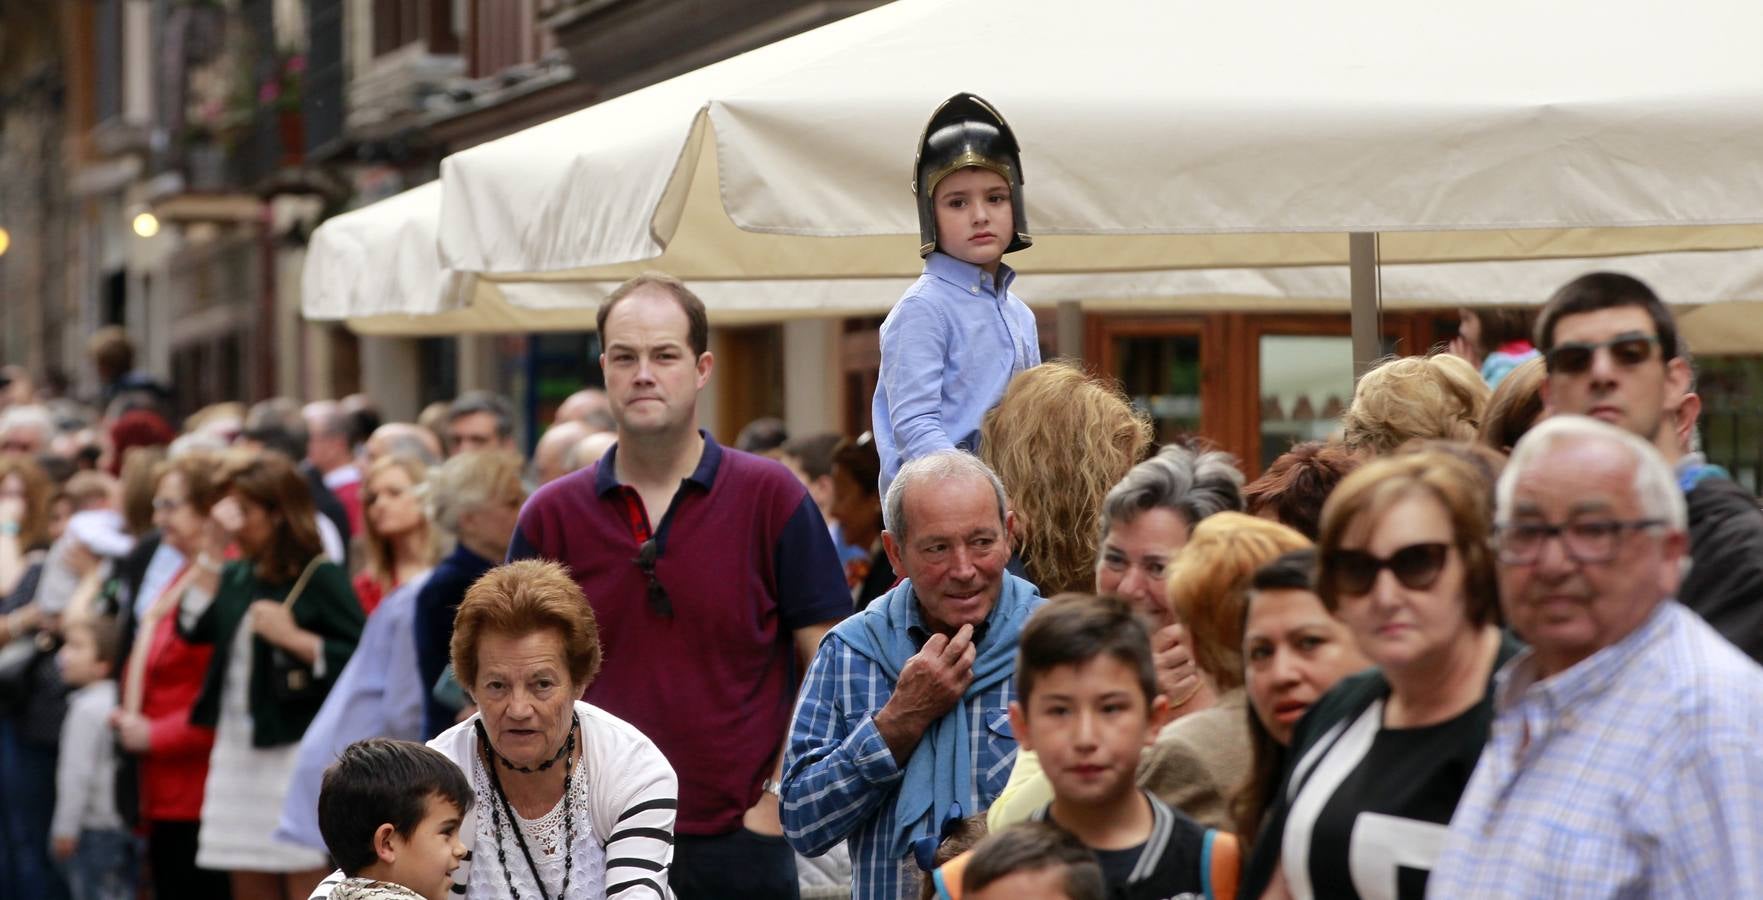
{"type": "Point", "coordinates": [327, 608]}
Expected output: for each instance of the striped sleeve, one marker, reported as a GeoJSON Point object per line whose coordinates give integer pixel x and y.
{"type": "Point", "coordinates": [640, 800]}
{"type": "Point", "coordinates": [323, 891]}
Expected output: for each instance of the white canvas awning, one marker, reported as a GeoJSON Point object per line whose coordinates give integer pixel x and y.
{"type": "Point", "coordinates": [376, 267]}
{"type": "Point", "coordinates": [1155, 136]}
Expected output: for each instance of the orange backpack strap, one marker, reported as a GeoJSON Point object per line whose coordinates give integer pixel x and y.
{"type": "Point", "coordinates": [1221, 865]}
{"type": "Point", "coordinates": [947, 877]}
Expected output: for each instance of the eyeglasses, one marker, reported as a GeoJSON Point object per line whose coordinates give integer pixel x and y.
{"type": "Point", "coordinates": [659, 603]}
{"type": "Point", "coordinates": [1575, 357]}
{"type": "Point", "coordinates": [1585, 540]}
{"type": "Point", "coordinates": [166, 504]}
{"type": "Point", "coordinates": [1416, 566]}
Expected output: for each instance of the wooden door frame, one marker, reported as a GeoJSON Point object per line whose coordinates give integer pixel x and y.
{"type": "Point", "coordinates": [1230, 357]}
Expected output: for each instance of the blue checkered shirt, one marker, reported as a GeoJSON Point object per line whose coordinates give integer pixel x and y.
{"type": "Point", "coordinates": [1636, 773]}
{"type": "Point", "coordinates": [840, 780]}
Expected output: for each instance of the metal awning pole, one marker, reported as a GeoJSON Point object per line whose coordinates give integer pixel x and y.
{"type": "Point", "coordinates": [1362, 262]}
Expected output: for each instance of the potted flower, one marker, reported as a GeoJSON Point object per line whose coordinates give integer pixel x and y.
{"type": "Point", "coordinates": [281, 92]}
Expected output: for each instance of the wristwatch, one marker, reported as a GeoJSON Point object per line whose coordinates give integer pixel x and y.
{"type": "Point", "coordinates": [773, 787]}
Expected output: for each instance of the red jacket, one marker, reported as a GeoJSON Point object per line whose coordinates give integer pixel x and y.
{"type": "Point", "coordinates": [175, 768]}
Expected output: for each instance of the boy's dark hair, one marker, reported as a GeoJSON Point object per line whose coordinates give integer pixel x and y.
{"type": "Point", "coordinates": [1073, 629]}
{"type": "Point", "coordinates": [1031, 847]}
{"type": "Point", "coordinates": [379, 781]}
{"type": "Point", "coordinates": [1291, 571]}
{"type": "Point", "coordinates": [1606, 290]}
{"type": "Point", "coordinates": [106, 638]}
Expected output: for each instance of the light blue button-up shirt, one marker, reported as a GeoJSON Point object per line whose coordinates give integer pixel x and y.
{"type": "Point", "coordinates": [948, 350]}
{"type": "Point", "coordinates": [1637, 772]}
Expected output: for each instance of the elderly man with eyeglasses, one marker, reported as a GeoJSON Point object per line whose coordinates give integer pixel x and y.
{"type": "Point", "coordinates": [713, 578]}
{"type": "Point", "coordinates": [1626, 755]}
{"type": "Point", "coordinates": [1612, 353]}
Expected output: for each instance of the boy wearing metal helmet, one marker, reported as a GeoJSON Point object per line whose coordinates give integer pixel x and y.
{"type": "Point", "coordinates": [952, 343]}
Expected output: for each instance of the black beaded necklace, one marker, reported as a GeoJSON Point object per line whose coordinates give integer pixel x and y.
{"type": "Point", "coordinates": [502, 806]}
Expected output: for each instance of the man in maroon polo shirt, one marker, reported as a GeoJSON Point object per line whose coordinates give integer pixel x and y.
{"type": "Point", "coordinates": [712, 577]}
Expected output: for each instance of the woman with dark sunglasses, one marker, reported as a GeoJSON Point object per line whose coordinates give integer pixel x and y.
{"type": "Point", "coordinates": [1377, 765]}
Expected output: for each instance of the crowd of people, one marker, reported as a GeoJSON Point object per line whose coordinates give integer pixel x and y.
{"type": "Point", "coordinates": [1497, 638]}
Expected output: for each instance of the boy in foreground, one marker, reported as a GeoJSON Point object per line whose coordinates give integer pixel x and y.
{"type": "Point", "coordinates": [1032, 861]}
{"type": "Point", "coordinates": [390, 814]}
{"type": "Point", "coordinates": [1087, 704]}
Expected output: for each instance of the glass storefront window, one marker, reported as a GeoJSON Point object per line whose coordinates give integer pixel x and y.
{"type": "Point", "coordinates": [1731, 388]}
{"type": "Point", "coordinates": [1306, 383]}
{"type": "Point", "coordinates": [1161, 375]}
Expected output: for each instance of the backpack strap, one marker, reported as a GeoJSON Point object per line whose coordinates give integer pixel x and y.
{"type": "Point", "coordinates": [1220, 865]}
{"type": "Point", "coordinates": [947, 877]}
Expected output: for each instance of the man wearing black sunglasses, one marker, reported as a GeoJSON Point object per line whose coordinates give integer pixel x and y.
{"type": "Point", "coordinates": [713, 578]}
{"type": "Point", "coordinates": [1612, 352]}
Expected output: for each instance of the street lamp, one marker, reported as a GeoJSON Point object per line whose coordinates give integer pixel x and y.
{"type": "Point", "coordinates": [146, 224]}
{"type": "Point", "coordinates": [5, 241]}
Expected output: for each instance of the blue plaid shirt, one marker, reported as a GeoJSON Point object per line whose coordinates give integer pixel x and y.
{"type": "Point", "coordinates": [840, 780]}
{"type": "Point", "coordinates": [1636, 773]}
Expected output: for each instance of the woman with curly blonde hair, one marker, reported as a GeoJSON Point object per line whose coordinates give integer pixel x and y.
{"type": "Point", "coordinates": [1435, 396]}
{"type": "Point", "coordinates": [1059, 439]}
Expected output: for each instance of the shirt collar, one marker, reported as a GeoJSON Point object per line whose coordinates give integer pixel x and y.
{"type": "Point", "coordinates": [606, 471]}
{"type": "Point", "coordinates": [1583, 681]}
{"type": "Point", "coordinates": [342, 476]}
{"type": "Point", "coordinates": [971, 279]}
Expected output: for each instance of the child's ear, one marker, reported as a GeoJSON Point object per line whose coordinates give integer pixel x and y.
{"type": "Point", "coordinates": [1157, 717]}
{"type": "Point", "coordinates": [382, 843]}
{"type": "Point", "coordinates": [1019, 726]}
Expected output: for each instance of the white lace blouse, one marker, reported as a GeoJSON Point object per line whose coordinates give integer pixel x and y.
{"type": "Point", "coordinates": [545, 840]}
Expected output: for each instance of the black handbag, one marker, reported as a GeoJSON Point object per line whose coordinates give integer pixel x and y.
{"type": "Point", "coordinates": [18, 666]}
{"type": "Point", "coordinates": [292, 681]}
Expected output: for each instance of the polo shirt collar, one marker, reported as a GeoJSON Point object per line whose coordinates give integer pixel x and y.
{"type": "Point", "coordinates": [1580, 684]}
{"type": "Point", "coordinates": [704, 476]}
{"type": "Point", "coordinates": [967, 277]}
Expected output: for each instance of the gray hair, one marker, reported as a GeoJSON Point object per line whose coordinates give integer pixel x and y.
{"type": "Point", "coordinates": [943, 465]}
{"type": "Point", "coordinates": [195, 442]}
{"type": "Point", "coordinates": [328, 418]}
{"type": "Point", "coordinates": [484, 402]}
{"type": "Point", "coordinates": [1655, 484]}
{"type": "Point", "coordinates": [31, 417]}
{"type": "Point", "coordinates": [467, 481]}
{"type": "Point", "coordinates": [1191, 485]}
{"type": "Point", "coordinates": [404, 444]}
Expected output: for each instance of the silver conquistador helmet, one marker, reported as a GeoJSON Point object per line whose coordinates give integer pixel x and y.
{"type": "Point", "coordinates": [966, 131]}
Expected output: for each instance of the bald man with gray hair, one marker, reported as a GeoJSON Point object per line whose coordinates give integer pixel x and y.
{"type": "Point", "coordinates": [1626, 753]}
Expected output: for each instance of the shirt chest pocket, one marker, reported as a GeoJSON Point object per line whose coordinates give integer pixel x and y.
{"type": "Point", "coordinates": [997, 751]}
